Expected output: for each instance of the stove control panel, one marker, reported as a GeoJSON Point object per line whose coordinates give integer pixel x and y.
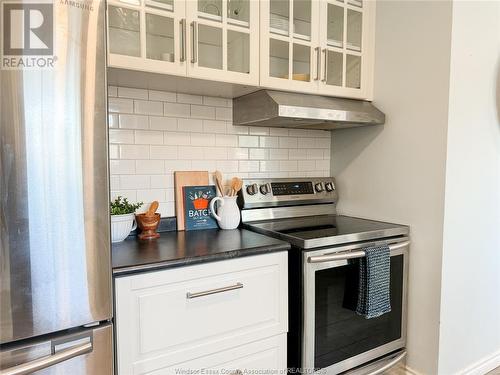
{"type": "Point", "coordinates": [271, 192]}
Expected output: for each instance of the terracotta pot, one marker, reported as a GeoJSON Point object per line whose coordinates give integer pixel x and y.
{"type": "Point", "coordinates": [148, 226]}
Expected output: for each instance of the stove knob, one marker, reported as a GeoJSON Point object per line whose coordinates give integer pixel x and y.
{"type": "Point", "coordinates": [319, 187]}
{"type": "Point", "coordinates": [330, 186]}
{"type": "Point", "coordinates": [252, 189]}
{"type": "Point", "coordinates": [264, 189]}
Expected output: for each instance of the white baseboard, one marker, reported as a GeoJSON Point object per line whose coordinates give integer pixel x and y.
{"type": "Point", "coordinates": [483, 366]}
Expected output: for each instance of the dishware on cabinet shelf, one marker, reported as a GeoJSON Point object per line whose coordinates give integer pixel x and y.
{"type": "Point", "coordinates": [227, 213]}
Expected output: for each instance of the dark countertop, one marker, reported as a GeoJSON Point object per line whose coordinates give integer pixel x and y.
{"type": "Point", "coordinates": [176, 249]}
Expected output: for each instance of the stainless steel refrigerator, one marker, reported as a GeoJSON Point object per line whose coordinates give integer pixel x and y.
{"type": "Point", "coordinates": [55, 273]}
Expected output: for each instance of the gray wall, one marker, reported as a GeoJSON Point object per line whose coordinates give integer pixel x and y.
{"type": "Point", "coordinates": [397, 172]}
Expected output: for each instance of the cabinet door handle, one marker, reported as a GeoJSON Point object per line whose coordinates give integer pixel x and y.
{"type": "Point", "coordinates": [325, 71]}
{"type": "Point", "coordinates": [194, 42]}
{"type": "Point", "coordinates": [318, 63]}
{"type": "Point", "coordinates": [182, 26]}
{"type": "Point", "coordinates": [190, 295]}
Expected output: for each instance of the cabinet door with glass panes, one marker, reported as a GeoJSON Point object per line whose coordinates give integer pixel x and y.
{"type": "Point", "coordinates": [290, 46]}
{"type": "Point", "coordinates": [147, 35]}
{"type": "Point", "coordinates": [223, 40]}
{"type": "Point", "coordinates": [347, 41]}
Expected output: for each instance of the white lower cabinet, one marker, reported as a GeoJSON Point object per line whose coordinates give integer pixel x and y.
{"type": "Point", "coordinates": [226, 314]}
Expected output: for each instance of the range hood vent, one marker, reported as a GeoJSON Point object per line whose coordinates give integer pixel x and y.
{"type": "Point", "coordinates": [301, 111]}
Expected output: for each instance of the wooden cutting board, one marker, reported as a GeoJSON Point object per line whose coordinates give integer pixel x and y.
{"type": "Point", "coordinates": [188, 178]}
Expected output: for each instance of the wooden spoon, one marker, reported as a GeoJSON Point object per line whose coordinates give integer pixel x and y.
{"type": "Point", "coordinates": [238, 185]}
{"type": "Point", "coordinates": [234, 183]}
{"type": "Point", "coordinates": [218, 181]}
{"type": "Point", "coordinates": [152, 209]}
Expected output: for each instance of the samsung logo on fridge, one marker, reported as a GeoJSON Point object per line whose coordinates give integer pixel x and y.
{"type": "Point", "coordinates": [27, 35]}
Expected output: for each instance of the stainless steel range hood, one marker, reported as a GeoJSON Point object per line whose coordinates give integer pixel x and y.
{"type": "Point", "coordinates": [302, 111]}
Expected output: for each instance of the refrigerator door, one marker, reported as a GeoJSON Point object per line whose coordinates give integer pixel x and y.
{"type": "Point", "coordinates": [87, 351]}
{"type": "Point", "coordinates": [54, 202]}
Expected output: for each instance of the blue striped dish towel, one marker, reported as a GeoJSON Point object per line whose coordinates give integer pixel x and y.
{"type": "Point", "coordinates": [374, 293]}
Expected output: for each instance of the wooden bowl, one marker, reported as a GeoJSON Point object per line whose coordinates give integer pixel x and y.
{"type": "Point", "coordinates": [148, 226]}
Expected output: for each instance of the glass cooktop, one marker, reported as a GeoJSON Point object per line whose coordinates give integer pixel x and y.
{"type": "Point", "coordinates": [326, 230]}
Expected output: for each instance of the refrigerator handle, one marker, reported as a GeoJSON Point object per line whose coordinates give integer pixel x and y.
{"type": "Point", "coordinates": [47, 361]}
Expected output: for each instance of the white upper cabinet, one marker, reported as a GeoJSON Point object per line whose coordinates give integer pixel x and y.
{"type": "Point", "coordinates": [147, 35]}
{"type": "Point", "coordinates": [209, 39]}
{"type": "Point", "coordinates": [312, 46]}
{"type": "Point", "coordinates": [223, 40]}
{"type": "Point", "coordinates": [318, 46]}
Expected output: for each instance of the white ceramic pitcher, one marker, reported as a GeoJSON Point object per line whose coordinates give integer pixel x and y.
{"type": "Point", "coordinates": [228, 213]}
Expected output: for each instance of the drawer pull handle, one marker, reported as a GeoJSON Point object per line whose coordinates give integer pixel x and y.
{"type": "Point", "coordinates": [190, 295]}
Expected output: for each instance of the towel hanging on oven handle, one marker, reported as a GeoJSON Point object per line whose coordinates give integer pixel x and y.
{"type": "Point", "coordinates": [350, 254]}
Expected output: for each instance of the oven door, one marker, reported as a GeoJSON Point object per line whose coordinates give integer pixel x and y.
{"type": "Point", "coordinates": [334, 337]}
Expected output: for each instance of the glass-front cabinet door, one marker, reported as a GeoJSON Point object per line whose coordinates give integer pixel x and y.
{"type": "Point", "coordinates": [346, 33]}
{"type": "Point", "coordinates": [290, 44]}
{"type": "Point", "coordinates": [147, 35]}
{"type": "Point", "coordinates": [223, 39]}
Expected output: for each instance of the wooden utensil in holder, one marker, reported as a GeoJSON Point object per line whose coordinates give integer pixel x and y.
{"type": "Point", "coordinates": [148, 222]}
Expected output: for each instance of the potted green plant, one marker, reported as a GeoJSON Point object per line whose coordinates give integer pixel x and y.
{"type": "Point", "coordinates": [122, 218]}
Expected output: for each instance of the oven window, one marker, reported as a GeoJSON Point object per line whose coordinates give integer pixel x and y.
{"type": "Point", "coordinates": [339, 332]}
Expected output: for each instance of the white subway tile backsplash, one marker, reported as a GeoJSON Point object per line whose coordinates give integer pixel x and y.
{"type": "Point", "coordinates": [237, 153]}
{"type": "Point", "coordinates": [150, 166]}
{"type": "Point", "coordinates": [146, 107]}
{"type": "Point", "coordinates": [306, 165]}
{"type": "Point", "coordinates": [177, 138]}
{"type": "Point", "coordinates": [164, 152]}
{"type": "Point", "coordinates": [288, 142]}
{"type": "Point", "coordinates": [297, 154]}
{"type": "Point", "coordinates": [112, 91]}
{"type": "Point", "coordinates": [226, 140]}
{"type": "Point", "coordinates": [148, 137]}
{"type": "Point", "coordinates": [162, 181]}
{"type": "Point", "coordinates": [230, 129]}
{"type": "Point", "coordinates": [248, 166]}
{"type": "Point", "coordinates": [133, 122]}
{"type": "Point", "coordinates": [189, 125]}
{"type": "Point", "coordinates": [248, 141]}
{"type": "Point", "coordinates": [259, 154]}
{"type": "Point", "coordinates": [278, 154]}
{"type": "Point", "coordinates": [131, 195]}
{"type": "Point", "coordinates": [120, 105]}
{"type": "Point", "coordinates": [117, 167]}
{"type": "Point", "coordinates": [118, 136]}
{"type": "Point", "coordinates": [269, 142]}
{"type": "Point", "coordinates": [176, 110]}
{"type": "Point", "coordinates": [172, 131]}
{"type": "Point", "coordinates": [136, 181]}
{"type": "Point", "coordinates": [227, 166]}
{"type": "Point", "coordinates": [214, 126]}
{"type": "Point", "coordinates": [202, 139]}
{"type": "Point", "coordinates": [190, 152]}
{"type": "Point", "coordinates": [126, 92]}
{"type": "Point", "coordinates": [257, 130]}
{"type": "Point", "coordinates": [224, 113]}
{"type": "Point", "coordinates": [216, 153]}
{"type": "Point", "coordinates": [269, 166]}
{"type": "Point", "coordinates": [202, 111]}
{"type": "Point", "coordinates": [113, 121]}
{"type": "Point", "coordinates": [216, 102]}
{"type": "Point", "coordinates": [162, 123]}
{"type": "Point", "coordinates": [190, 99]}
{"type": "Point", "coordinates": [163, 96]}
{"type": "Point", "coordinates": [288, 165]}
{"type": "Point", "coordinates": [136, 152]}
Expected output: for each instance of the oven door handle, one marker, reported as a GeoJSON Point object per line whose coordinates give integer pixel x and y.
{"type": "Point", "coordinates": [389, 365]}
{"type": "Point", "coordinates": [350, 254]}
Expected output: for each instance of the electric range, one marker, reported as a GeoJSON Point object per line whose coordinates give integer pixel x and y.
{"type": "Point", "coordinates": [325, 334]}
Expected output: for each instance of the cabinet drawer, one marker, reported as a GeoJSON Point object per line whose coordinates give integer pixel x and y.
{"type": "Point", "coordinates": [171, 316]}
{"type": "Point", "coordinates": [267, 356]}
